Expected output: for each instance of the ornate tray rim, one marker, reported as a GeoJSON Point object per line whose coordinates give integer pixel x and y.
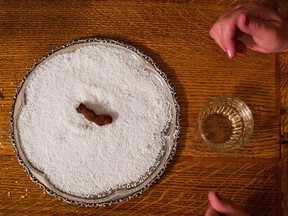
{"type": "Point", "coordinates": [157, 69]}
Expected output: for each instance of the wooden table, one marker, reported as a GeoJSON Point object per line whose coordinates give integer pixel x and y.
{"type": "Point", "coordinates": [175, 35]}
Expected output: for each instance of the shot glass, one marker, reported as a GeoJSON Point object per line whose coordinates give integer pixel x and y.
{"type": "Point", "coordinates": [225, 123]}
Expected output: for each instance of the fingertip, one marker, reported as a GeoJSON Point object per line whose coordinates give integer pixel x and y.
{"type": "Point", "coordinates": [210, 211]}
{"type": "Point", "coordinates": [218, 203]}
{"type": "Point", "coordinates": [213, 195]}
{"type": "Point", "coordinates": [224, 206]}
{"type": "Point", "coordinates": [229, 47]}
{"type": "Point", "coordinates": [240, 50]}
{"type": "Point", "coordinates": [230, 54]}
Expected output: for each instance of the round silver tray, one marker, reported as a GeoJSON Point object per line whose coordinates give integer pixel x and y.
{"type": "Point", "coordinates": [169, 135]}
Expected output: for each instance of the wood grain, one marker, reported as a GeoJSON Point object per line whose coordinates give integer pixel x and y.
{"type": "Point", "coordinates": [175, 35]}
{"type": "Point", "coordinates": [282, 66]}
{"type": "Point", "coordinates": [182, 190]}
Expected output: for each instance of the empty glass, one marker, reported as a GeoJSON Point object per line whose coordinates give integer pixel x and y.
{"type": "Point", "coordinates": [225, 123]}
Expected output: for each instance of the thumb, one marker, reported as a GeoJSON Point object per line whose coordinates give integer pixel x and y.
{"type": "Point", "coordinates": [224, 206]}
{"type": "Point", "coordinates": [255, 27]}
{"type": "Point", "coordinates": [210, 211]}
{"type": "Point", "coordinates": [259, 35]}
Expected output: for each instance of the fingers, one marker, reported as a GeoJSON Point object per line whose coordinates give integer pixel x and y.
{"type": "Point", "coordinates": [250, 26]}
{"type": "Point", "coordinates": [224, 206]}
{"type": "Point", "coordinates": [211, 212]}
{"type": "Point", "coordinates": [264, 36]}
{"type": "Point", "coordinates": [223, 36]}
{"type": "Point", "coordinates": [225, 33]}
{"type": "Point", "coordinates": [234, 35]}
{"type": "Point", "coordinates": [216, 36]}
{"type": "Point", "coordinates": [227, 40]}
{"type": "Point", "coordinates": [219, 204]}
{"type": "Point", "coordinates": [254, 26]}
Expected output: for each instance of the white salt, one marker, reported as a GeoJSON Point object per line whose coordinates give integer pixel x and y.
{"type": "Point", "coordinates": [9, 194]}
{"type": "Point", "coordinates": [78, 156]}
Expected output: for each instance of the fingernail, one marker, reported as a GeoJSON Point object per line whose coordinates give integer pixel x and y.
{"type": "Point", "coordinates": [229, 54]}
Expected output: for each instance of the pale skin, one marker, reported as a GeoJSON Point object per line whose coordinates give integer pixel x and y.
{"type": "Point", "coordinates": [218, 206]}
{"type": "Point", "coordinates": [246, 27]}
{"type": "Point", "coordinates": [251, 26]}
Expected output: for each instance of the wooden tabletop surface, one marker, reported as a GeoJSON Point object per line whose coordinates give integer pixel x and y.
{"type": "Point", "coordinates": [176, 35]}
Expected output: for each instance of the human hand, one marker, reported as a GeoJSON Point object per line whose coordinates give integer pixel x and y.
{"type": "Point", "coordinates": [251, 26]}
{"type": "Point", "coordinates": [219, 206]}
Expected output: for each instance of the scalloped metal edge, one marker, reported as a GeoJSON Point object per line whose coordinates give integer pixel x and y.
{"type": "Point", "coordinates": [177, 123]}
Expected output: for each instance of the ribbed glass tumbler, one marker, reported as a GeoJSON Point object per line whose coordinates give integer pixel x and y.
{"type": "Point", "coordinates": [225, 123]}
